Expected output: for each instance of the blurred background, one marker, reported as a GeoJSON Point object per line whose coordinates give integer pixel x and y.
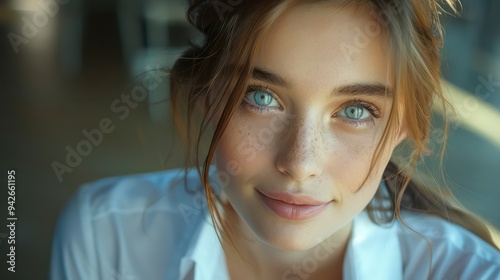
{"type": "Point", "coordinates": [67, 67]}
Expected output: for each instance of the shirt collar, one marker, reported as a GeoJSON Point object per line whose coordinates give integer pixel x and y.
{"type": "Point", "coordinates": [205, 258]}
{"type": "Point", "coordinates": [373, 251]}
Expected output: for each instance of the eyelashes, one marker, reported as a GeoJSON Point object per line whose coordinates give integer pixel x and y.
{"type": "Point", "coordinates": [351, 107]}
{"type": "Point", "coordinates": [253, 105]}
{"type": "Point", "coordinates": [374, 110]}
{"type": "Point", "coordinates": [355, 113]}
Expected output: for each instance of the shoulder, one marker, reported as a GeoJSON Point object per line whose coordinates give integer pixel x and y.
{"type": "Point", "coordinates": [139, 192]}
{"type": "Point", "coordinates": [174, 196]}
{"type": "Point", "coordinates": [444, 249]}
{"type": "Point", "coordinates": [114, 222]}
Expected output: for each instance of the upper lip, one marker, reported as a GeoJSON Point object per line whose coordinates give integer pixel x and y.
{"type": "Point", "coordinates": [297, 199]}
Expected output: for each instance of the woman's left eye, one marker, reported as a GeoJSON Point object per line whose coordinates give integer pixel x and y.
{"type": "Point", "coordinates": [354, 112]}
{"type": "Point", "coordinates": [358, 113]}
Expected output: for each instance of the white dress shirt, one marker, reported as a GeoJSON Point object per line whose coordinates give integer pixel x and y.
{"type": "Point", "coordinates": [148, 227]}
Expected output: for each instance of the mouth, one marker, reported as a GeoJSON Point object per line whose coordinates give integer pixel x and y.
{"type": "Point", "coordinates": [293, 207]}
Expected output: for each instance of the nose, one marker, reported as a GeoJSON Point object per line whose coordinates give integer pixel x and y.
{"type": "Point", "coordinates": [302, 151]}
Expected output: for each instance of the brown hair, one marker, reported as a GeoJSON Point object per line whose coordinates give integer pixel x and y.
{"type": "Point", "coordinates": [221, 66]}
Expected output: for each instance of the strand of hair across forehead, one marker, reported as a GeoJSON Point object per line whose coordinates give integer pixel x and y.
{"type": "Point", "coordinates": [228, 99]}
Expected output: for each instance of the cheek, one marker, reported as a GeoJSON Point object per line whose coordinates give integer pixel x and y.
{"type": "Point", "coordinates": [228, 159]}
{"type": "Point", "coordinates": [349, 160]}
{"type": "Point", "coordinates": [241, 153]}
{"type": "Point", "coordinates": [236, 145]}
{"type": "Point", "coordinates": [229, 164]}
{"type": "Point", "coordinates": [247, 142]}
{"type": "Point", "coordinates": [355, 184]}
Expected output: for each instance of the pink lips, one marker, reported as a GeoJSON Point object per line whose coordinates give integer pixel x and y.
{"type": "Point", "coordinates": [293, 207]}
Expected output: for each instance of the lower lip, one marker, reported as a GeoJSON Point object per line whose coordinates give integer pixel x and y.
{"type": "Point", "coordinates": [292, 211]}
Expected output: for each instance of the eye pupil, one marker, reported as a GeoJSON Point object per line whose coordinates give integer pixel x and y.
{"type": "Point", "coordinates": [354, 112]}
{"type": "Point", "coordinates": [262, 98]}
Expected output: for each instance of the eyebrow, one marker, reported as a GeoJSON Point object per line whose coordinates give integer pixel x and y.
{"type": "Point", "coordinates": [269, 77]}
{"type": "Point", "coordinates": [373, 88]}
{"type": "Point", "coordinates": [370, 88]}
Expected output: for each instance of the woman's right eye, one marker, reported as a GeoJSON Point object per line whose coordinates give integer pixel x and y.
{"type": "Point", "coordinates": [260, 99]}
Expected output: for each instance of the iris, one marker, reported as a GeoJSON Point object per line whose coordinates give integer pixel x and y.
{"type": "Point", "coordinates": [262, 98]}
{"type": "Point", "coordinates": [354, 112]}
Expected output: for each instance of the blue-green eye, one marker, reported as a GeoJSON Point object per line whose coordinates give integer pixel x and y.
{"type": "Point", "coordinates": [261, 99]}
{"type": "Point", "coordinates": [354, 112]}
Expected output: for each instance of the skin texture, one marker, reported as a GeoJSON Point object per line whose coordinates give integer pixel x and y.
{"type": "Point", "coordinates": [304, 142]}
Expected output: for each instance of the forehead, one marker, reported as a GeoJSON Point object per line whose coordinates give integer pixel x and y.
{"type": "Point", "coordinates": [325, 43]}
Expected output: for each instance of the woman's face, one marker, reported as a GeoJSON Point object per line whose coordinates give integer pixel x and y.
{"type": "Point", "coordinates": [299, 148]}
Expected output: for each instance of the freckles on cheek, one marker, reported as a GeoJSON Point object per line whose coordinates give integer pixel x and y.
{"type": "Point", "coordinates": [355, 147]}
{"type": "Point", "coordinates": [238, 146]}
{"type": "Point", "coordinates": [249, 140]}
{"type": "Point", "coordinates": [227, 148]}
{"type": "Point", "coordinates": [228, 164]}
{"type": "Point", "coordinates": [351, 162]}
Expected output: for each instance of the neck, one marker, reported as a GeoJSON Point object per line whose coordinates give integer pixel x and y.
{"type": "Point", "coordinates": [254, 259]}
